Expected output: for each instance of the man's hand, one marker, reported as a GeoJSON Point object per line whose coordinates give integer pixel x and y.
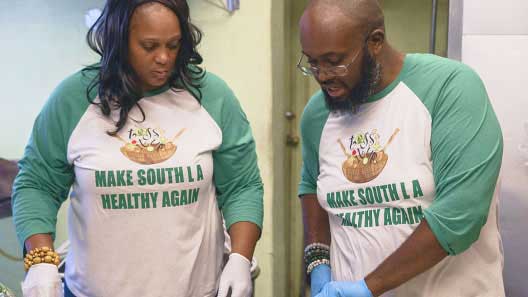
{"type": "Point", "coordinates": [236, 276]}
{"type": "Point", "coordinates": [345, 289]}
{"type": "Point", "coordinates": [42, 280]}
{"type": "Point", "coordinates": [319, 277]}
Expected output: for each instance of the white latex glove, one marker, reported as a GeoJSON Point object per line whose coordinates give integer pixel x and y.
{"type": "Point", "coordinates": [42, 280]}
{"type": "Point", "coordinates": [236, 276]}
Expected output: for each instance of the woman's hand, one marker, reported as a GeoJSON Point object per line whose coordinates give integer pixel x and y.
{"type": "Point", "coordinates": [236, 276]}
{"type": "Point", "coordinates": [42, 280]}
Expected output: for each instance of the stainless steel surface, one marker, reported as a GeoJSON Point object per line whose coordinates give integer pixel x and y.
{"type": "Point", "coordinates": [455, 29]}
{"type": "Point", "coordinates": [432, 35]}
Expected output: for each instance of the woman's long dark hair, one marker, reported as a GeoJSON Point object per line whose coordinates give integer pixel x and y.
{"type": "Point", "coordinates": [117, 83]}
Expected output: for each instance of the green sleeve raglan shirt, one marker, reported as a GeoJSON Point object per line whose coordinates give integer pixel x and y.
{"type": "Point", "coordinates": [146, 216]}
{"type": "Point", "coordinates": [427, 146]}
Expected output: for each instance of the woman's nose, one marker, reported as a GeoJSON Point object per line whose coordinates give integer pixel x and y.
{"type": "Point", "coordinates": [162, 57]}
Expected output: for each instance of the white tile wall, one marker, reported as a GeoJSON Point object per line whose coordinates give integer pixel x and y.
{"type": "Point", "coordinates": [496, 17]}
{"type": "Point", "coordinates": [501, 61]}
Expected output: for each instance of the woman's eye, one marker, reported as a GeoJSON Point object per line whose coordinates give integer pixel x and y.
{"type": "Point", "coordinates": [174, 46]}
{"type": "Point", "coordinates": [149, 47]}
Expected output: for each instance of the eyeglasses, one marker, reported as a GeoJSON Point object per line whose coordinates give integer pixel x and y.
{"type": "Point", "coordinates": [308, 70]}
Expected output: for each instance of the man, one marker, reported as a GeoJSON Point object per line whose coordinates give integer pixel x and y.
{"type": "Point", "coordinates": [401, 156]}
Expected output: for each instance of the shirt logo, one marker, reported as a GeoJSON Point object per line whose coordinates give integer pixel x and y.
{"type": "Point", "coordinates": [367, 158]}
{"type": "Point", "coordinates": [148, 145]}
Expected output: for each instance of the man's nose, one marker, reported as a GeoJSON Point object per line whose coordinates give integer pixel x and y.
{"type": "Point", "coordinates": [322, 76]}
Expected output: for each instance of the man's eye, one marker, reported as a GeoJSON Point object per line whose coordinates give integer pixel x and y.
{"type": "Point", "coordinates": [334, 62]}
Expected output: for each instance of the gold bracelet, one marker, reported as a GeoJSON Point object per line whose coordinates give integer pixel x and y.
{"type": "Point", "coordinates": [41, 255]}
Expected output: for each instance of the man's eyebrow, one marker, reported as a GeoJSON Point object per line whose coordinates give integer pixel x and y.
{"type": "Point", "coordinates": [325, 55]}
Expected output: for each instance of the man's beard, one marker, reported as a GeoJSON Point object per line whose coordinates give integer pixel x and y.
{"type": "Point", "coordinates": [370, 78]}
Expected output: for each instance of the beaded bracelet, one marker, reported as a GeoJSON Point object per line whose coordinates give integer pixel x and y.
{"type": "Point", "coordinates": [41, 255]}
{"type": "Point", "coordinates": [309, 258]}
{"type": "Point", "coordinates": [315, 264]}
{"type": "Point", "coordinates": [316, 251]}
{"type": "Point", "coordinates": [316, 245]}
{"type": "Point", "coordinates": [316, 254]}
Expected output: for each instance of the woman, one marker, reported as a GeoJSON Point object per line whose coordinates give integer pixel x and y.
{"type": "Point", "coordinates": [159, 154]}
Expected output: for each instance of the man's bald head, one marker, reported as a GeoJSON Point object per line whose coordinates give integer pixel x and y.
{"type": "Point", "coordinates": [337, 25]}
{"type": "Point", "coordinates": [366, 15]}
